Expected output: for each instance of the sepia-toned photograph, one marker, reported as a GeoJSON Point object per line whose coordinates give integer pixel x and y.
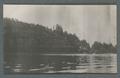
{"type": "Point", "coordinates": [59, 39]}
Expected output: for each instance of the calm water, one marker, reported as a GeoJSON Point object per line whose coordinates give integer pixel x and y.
{"type": "Point", "coordinates": [92, 63]}
{"type": "Point", "coordinates": [87, 63]}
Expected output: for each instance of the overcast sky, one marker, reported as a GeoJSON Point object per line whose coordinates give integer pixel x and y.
{"type": "Point", "coordinates": [89, 22]}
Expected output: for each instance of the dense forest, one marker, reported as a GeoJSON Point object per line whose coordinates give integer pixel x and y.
{"type": "Point", "coordinates": [24, 38]}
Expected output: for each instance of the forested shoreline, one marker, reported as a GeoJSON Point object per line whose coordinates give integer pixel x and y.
{"type": "Point", "coordinates": [21, 37]}
{"type": "Point", "coordinates": [27, 46]}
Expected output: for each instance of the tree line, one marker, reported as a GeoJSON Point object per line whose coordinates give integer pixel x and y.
{"type": "Point", "coordinates": [21, 37]}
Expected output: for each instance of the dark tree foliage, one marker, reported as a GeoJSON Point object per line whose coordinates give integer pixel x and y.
{"type": "Point", "coordinates": [22, 37]}
{"type": "Point", "coordinates": [84, 47]}
{"type": "Point", "coordinates": [101, 48]}
{"type": "Point", "coordinates": [30, 38]}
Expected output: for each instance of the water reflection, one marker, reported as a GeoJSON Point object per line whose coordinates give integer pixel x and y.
{"type": "Point", "coordinates": [75, 63]}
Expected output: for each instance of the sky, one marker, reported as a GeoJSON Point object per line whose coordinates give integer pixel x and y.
{"type": "Point", "coordinates": [89, 22]}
